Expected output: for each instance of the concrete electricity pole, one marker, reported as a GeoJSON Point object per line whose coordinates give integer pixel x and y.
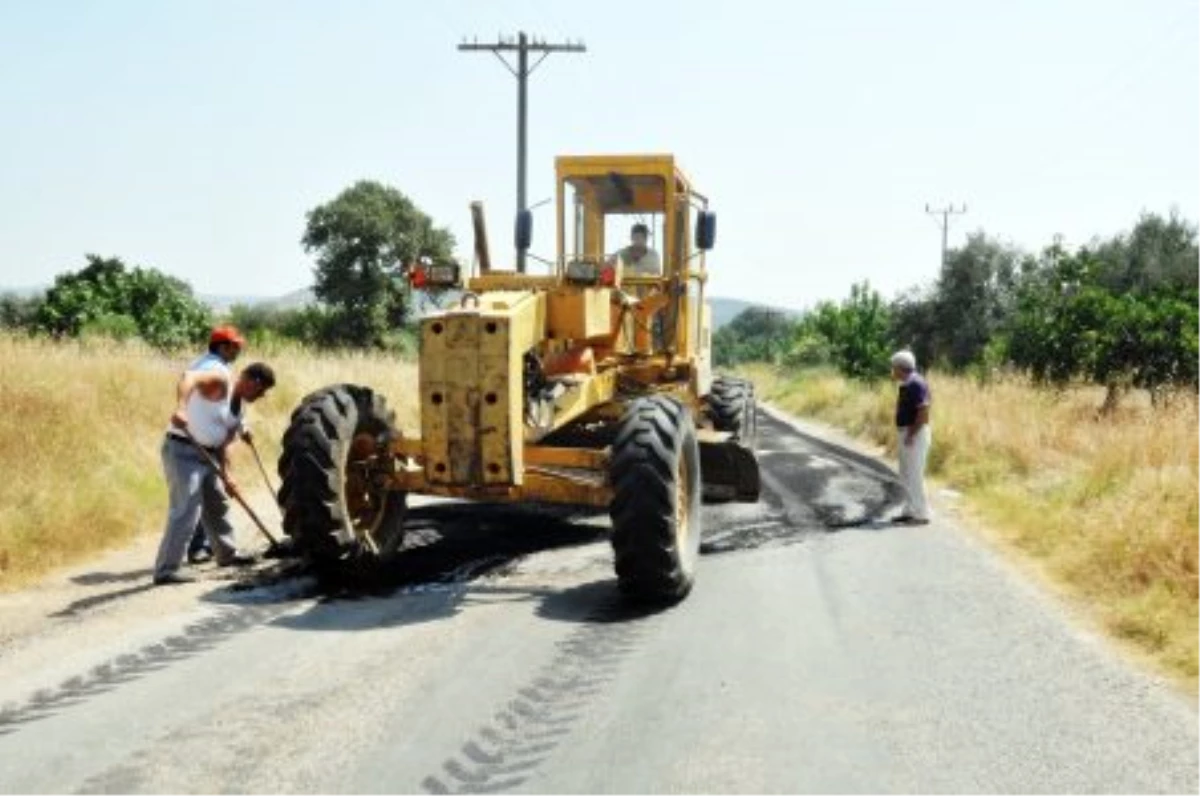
{"type": "Point", "coordinates": [944, 222]}
{"type": "Point", "coordinates": [523, 46]}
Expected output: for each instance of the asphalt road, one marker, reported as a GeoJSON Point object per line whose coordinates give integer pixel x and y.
{"type": "Point", "coordinates": [822, 650]}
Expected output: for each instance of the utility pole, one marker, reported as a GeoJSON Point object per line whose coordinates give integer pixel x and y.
{"type": "Point", "coordinates": [523, 46]}
{"type": "Point", "coordinates": [944, 222]}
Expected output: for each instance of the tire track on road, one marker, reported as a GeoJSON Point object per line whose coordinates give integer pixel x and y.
{"type": "Point", "coordinates": [527, 728]}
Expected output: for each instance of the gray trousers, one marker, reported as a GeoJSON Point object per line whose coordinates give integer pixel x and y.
{"type": "Point", "coordinates": [912, 470]}
{"type": "Point", "coordinates": [197, 495]}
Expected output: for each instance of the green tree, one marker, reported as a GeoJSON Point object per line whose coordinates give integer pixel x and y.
{"type": "Point", "coordinates": [1158, 256]}
{"type": "Point", "coordinates": [865, 350]}
{"type": "Point", "coordinates": [914, 324]}
{"type": "Point", "coordinates": [1043, 333]}
{"type": "Point", "coordinates": [361, 239]}
{"type": "Point", "coordinates": [857, 330]}
{"type": "Point", "coordinates": [974, 295]}
{"type": "Point", "coordinates": [1071, 323]}
{"type": "Point", "coordinates": [107, 297]}
{"type": "Point", "coordinates": [757, 334]}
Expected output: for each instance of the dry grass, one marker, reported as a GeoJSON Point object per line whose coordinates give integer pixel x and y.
{"type": "Point", "coordinates": [1107, 506]}
{"type": "Point", "coordinates": [81, 430]}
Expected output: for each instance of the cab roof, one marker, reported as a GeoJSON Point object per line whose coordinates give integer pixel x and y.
{"type": "Point", "coordinates": [624, 182]}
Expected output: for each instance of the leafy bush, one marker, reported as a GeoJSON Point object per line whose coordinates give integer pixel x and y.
{"type": "Point", "coordinates": [111, 326]}
{"type": "Point", "coordinates": [162, 308]}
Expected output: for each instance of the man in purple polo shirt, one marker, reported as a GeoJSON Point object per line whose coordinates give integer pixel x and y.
{"type": "Point", "coordinates": [915, 437]}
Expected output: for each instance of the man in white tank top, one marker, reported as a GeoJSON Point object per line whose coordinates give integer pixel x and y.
{"type": "Point", "coordinates": [225, 344]}
{"type": "Point", "coordinates": [210, 407]}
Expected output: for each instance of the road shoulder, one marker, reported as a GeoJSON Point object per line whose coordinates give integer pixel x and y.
{"type": "Point", "coordinates": [952, 511]}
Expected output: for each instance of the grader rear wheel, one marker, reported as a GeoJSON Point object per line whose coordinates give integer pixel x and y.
{"type": "Point", "coordinates": [655, 472]}
{"type": "Point", "coordinates": [732, 406]}
{"type": "Point", "coordinates": [334, 468]}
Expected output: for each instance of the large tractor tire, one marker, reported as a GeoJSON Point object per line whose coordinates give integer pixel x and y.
{"type": "Point", "coordinates": [733, 408]}
{"type": "Point", "coordinates": [655, 473]}
{"type": "Point", "coordinates": [335, 461]}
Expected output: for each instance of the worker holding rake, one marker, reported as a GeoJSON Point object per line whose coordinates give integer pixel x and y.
{"type": "Point", "coordinates": [225, 344]}
{"type": "Point", "coordinates": [210, 410]}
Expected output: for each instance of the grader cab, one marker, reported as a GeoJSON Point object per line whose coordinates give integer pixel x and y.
{"type": "Point", "coordinates": [589, 384]}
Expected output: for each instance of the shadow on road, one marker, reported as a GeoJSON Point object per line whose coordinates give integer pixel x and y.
{"type": "Point", "coordinates": [811, 487]}
{"type": "Point", "coordinates": [598, 602]}
{"type": "Point", "coordinates": [449, 546]}
{"type": "Point", "coordinates": [104, 578]}
{"type": "Point", "coordinates": [87, 603]}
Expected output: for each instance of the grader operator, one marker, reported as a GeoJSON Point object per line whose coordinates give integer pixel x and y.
{"type": "Point", "coordinates": [588, 385]}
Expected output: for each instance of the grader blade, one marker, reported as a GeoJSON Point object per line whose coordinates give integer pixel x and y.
{"type": "Point", "coordinates": [729, 471]}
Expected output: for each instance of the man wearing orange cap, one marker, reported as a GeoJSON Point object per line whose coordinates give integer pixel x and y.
{"type": "Point", "coordinates": [224, 345]}
{"type": "Point", "coordinates": [207, 418]}
{"type": "Point", "coordinates": [210, 410]}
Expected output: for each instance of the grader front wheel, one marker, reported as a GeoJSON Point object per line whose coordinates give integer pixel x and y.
{"type": "Point", "coordinates": [334, 470]}
{"type": "Point", "coordinates": [656, 518]}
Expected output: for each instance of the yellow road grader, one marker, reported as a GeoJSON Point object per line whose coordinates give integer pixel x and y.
{"type": "Point", "coordinates": [584, 385]}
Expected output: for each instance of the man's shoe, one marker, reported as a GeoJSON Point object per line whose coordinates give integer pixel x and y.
{"type": "Point", "coordinates": [238, 560]}
{"type": "Point", "coordinates": [173, 579]}
{"type": "Point", "coordinates": [903, 519]}
{"type": "Point", "coordinates": [200, 556]}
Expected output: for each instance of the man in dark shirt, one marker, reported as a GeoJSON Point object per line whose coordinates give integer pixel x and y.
{"type": "Point", "coordinates": [912, 424]}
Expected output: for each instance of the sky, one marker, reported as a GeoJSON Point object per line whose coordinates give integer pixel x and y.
{"type": "Point", "coordinates": [194, 136]}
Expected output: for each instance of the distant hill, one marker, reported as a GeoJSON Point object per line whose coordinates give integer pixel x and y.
{"type": "Point", "coordinates": [292, 301]}
{"type": "Point", "coordinates": [726, 309]}
{"type": "Point", "coordinates": [288, 301]}
{"type": "Point", "coordinates": [22, 292]}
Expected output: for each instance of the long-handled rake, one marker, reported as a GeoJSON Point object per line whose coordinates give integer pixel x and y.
{"type": "Point", "coordinates": [275, 545]}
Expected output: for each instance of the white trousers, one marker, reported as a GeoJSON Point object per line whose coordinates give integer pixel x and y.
{"type": "Point", "coordinates": [912, 470]}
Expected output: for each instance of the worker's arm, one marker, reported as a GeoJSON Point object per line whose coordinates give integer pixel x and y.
{"type": "Point", "coordinates": [189, 382]}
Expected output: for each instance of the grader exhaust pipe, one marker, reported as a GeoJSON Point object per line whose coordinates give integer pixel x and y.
{"type": "Point", "coordinates": [482, 254]}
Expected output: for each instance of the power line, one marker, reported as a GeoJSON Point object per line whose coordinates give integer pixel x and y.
{"type": "Point", "coordinates": [944, 222]}
{"type": "Point", "coordinates": [523, 45]}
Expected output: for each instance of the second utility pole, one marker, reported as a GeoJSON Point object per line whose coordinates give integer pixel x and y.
{"type": "Point", "coordinates": [522, 46]}
{"type": "Point", "coordinates": [944, 223]}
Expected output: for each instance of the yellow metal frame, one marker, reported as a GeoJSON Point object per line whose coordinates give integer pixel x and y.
{"type": "Point", "coordinates": [476, 440]}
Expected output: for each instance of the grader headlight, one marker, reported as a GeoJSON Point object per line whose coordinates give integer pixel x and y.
{"type": "Point", "coordinates": [430, 276]}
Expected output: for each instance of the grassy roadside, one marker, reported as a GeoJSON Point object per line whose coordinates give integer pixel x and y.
{"type": "Point", "coordinates": [1107, 508]}
{"type": "Point", "coordinates": [81, 430]}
